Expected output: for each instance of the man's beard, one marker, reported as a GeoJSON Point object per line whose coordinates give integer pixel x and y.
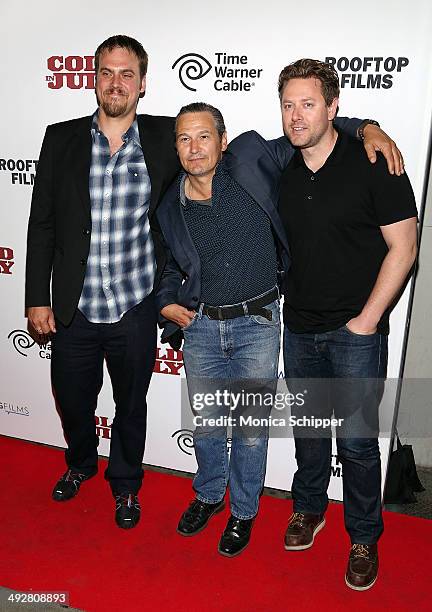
{"type": "Point", "coordinates": [113, 108]}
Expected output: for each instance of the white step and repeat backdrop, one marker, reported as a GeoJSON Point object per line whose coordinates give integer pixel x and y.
{"type": "Point", "coordinates": [383, 54]}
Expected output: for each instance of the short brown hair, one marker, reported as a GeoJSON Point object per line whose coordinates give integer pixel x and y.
{"type": "Point", "coordinates": [124, 42]}
{"type": "Point", "coordinates": [310, 68]}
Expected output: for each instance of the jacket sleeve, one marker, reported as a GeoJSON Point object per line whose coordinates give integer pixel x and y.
{"type": "Point", "coordinates": [170, 282]}
{"type": "Point", "coordinates": [41, 229]}
{"type": "Point", "coordinates": [166, 294]}
{"type": "Point", "coordinates": [347, 125]}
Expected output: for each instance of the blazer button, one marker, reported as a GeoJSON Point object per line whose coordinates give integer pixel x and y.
{"type": "Point", "coordinates": [83, 262]}
{"type": "Point", "coordinates": [86, 232]}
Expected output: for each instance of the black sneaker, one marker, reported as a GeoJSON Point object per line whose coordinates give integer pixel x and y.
{"type": "Point", "coordinates": [196, 517]}
{"type": "Point", "coordinates": [128, 510]}
{"type": "Point", "coordinates": [69, 485]}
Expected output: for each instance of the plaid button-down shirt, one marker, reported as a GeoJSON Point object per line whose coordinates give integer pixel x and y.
{"type": "Point", "coordinates": [121, 263]}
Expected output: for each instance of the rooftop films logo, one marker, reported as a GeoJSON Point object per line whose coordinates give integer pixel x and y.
{"type": "Point", "coordinates": [21, 171]}
{"type": "Point", "coordinates": [228, 72]}
{"type": "Point", "coordinates": [368, 72]}
{"type": "Point", "coordinates": [6, 260]}
{"type": "Point", "coordinates": [8, 408]}
{"type": "Point", "coordinates": [72, 71]}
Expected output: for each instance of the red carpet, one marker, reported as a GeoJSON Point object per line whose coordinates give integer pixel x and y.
{"type": "Point", "coordinates": [77, 547]}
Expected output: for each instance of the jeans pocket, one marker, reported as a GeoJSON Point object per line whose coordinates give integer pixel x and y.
{"type": "Point", "coordinates": [189, 325]}
{"type": "Point", "coordinates": [346, 328]}
{"type": "Point", "coordinates": [275, 320]}
{"type": "Point", "coordinates": [263, 321]}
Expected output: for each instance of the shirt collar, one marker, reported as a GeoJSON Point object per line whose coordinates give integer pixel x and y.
{"type": "Point", "coordinates": [220, 174]}
{"type": "Point", "coordinates": [131, 134]}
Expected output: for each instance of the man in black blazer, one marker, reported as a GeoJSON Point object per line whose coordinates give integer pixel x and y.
{"type": "Point", "coordinates": [92, 229]}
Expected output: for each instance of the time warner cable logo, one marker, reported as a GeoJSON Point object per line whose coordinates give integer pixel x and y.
{"type": "Point", "coordinates": [168, 361]}
{"type": "Point", "coordinates": [184, 439]}
{"type": "Point", "coordinates": [230, 72]}
{"type": "Point", "coordinates": [22, 342]}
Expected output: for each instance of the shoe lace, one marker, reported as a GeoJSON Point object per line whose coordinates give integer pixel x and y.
{"type": "Point", "coordinates": [196, 506]}
{"type": "Point", "coordinates": [360, 550]}
{"type": "Point", "coordinates": [297, 518]}
{"type": "Point", "coordinates": [71, 475]}
{"type": "Point", "coordinates": [127, 499]}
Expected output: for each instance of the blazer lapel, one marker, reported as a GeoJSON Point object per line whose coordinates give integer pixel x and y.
{"type": "Point", "coordinates": [172, 220]}
{"type": "Point", "coordinates": [80, 155]}
{"type": "Point", "coordinates": [154, 158]}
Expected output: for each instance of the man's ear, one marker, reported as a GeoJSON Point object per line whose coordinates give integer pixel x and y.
{"type": "Point", "coordinates": [332, 109]}
{"type": "Point", "coordinates": [143, 86]}
{"type": "Point", "coordinates": [224, 141]}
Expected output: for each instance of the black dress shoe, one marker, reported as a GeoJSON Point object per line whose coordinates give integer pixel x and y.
{"type": "Point", "coordinates": [128, 510]}
{"type": "Point", "coordinates": [236, 536]}
{"type": "Point", "coordinates": [196, 517]}
{"type": "Point", "coordinates": [69, 484]}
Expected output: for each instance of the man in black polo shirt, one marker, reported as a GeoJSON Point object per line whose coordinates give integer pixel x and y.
{"type": "Point", "coordinates": [351, 228]}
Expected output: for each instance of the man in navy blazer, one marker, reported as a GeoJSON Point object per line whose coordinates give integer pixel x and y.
{"type": "Point", "coordinates": [185, 287]}
{"type": "Point", "coordinates": [226, 255]}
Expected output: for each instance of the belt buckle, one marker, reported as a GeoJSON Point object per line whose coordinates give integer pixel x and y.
{"type": "Point", "coordinates": [219, 316]}
{"type": "Point", "coordinates": [210, 311]}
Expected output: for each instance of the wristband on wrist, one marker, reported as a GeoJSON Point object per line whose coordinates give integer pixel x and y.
{"type": "Point", "coordinates": [360, 131]}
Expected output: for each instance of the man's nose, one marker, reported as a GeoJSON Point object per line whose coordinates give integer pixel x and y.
{"type": "Point", "coordinates": [194, 145]}
{"type": "Point", "coordinates": [116, 80]}
{"type": "Point", "coordinates": [296, 113]}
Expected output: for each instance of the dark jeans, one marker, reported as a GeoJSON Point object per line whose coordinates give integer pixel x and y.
{"type": "Point", "coordinates": [345, 373]}
{"type": "Point", "coordinates": [78, 353]}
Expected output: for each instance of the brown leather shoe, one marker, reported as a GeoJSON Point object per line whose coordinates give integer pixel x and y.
{"type": "Point", "coordinates": [302, 529]}
{"type": "Point", "coordinates": [362, 570]}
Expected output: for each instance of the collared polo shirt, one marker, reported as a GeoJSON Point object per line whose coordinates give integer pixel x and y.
{"type": "Point", "coordinates": [332, 218]}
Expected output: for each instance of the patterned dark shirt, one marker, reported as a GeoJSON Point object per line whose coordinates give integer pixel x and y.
{"type": "Point", "coordinates": [234, 241]}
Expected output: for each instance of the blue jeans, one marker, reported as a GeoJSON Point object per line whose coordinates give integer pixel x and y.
{"type": "Point", "coordinates": [345, 373]}
{"type": "Point", "coordinates": [231, 355]}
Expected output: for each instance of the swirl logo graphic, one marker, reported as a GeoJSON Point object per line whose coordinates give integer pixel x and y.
{"type": "Point", "coordinates": [191, 67]}
{"type": "Point", "coordinates": [21, 340]}
{"type": "Point", "coordinates": [184, 440]}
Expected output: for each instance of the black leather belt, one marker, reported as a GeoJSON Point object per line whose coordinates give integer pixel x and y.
{"type": "Point", "coordinates": [253, 307]}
